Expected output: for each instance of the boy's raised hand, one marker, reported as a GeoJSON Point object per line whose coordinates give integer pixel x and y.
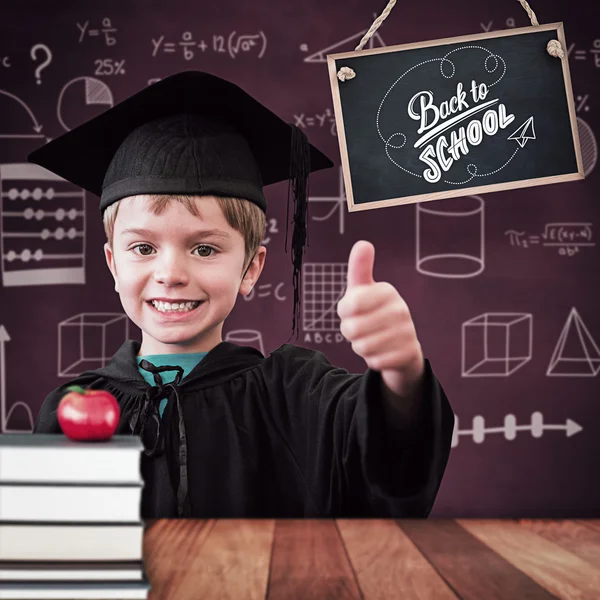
{"type": "Point", "coordinates": [376, 319]}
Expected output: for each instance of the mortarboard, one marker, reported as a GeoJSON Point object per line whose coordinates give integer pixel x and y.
{"type": "Point", "coordinates": [190, 133]}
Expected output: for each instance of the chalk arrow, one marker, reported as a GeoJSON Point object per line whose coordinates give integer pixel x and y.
{"type": "Point", "coordinates": [523, 133]}
{"type": "Point", "coordinates": [4, 337]}
{"type": "Point", "coordinates": [36, 126]}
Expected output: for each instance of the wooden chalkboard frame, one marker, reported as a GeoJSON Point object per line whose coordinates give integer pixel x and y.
{"type": "Point", "coordinates": [335, 83]}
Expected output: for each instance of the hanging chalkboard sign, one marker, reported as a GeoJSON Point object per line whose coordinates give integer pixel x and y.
{"type": "Point", "coordinates": [455, 116]}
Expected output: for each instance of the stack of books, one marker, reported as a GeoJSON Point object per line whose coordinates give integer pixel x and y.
{"type": "Point", "coordinates": [70, 518]}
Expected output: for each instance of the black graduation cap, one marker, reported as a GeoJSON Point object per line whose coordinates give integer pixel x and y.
{"type": "Point", "coordinates": [189, 133]}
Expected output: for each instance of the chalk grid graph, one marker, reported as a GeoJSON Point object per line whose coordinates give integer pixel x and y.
{"type": "Point", "coordinates": [323, 285]}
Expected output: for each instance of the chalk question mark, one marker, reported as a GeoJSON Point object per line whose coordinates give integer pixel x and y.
{"type": "Point", "coordinates": [48, 60]}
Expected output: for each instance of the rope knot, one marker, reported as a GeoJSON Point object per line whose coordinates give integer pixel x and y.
{"type": "Point", "coordinates": [555, 49]}
{"type": "Point", "coordinates": [345, 73]}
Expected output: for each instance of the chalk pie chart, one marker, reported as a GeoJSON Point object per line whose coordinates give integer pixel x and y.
{"type": "Point", "coordinates": [82, 99]}
{"type": "Point", "coordinates": [589, 147]}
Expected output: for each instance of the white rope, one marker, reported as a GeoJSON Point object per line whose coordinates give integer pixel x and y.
{"type": "Point", "coordinates": [553, 48]}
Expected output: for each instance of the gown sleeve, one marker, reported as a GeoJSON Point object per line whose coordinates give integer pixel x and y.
{"type": "Point", "coordinates": [354, 463]}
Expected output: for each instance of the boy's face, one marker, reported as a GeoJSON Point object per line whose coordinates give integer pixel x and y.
{"type": "Point", "coordinates": [177, 259]}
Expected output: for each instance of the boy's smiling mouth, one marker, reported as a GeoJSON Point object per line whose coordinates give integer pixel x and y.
{"type": "Point", "coordinates": [181, 307]}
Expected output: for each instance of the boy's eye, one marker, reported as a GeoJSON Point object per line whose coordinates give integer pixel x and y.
{"type": "Point", "coordinates": [139, 247]}
{"type": "Point", "coordinates": [209, 248]}
{"type": "Point", "coordinates": [142, 246]}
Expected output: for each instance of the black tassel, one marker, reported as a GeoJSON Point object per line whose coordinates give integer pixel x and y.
{"type": "Point", "coordinates": [298, 185]}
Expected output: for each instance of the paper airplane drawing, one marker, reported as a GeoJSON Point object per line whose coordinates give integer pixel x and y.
{"type": "Point", "coordinates": [523, 133]}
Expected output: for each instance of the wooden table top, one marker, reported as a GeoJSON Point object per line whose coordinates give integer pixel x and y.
{"type": "Point", "coordinates": [342, 559]}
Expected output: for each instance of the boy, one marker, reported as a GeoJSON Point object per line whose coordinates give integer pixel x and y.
{"type": "Point", "coordinates": [180, 168]}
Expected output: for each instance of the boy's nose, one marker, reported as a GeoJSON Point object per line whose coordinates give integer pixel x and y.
{"type": "Point", "coordinates": [171, 271]}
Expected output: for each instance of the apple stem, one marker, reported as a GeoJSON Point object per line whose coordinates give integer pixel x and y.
{"type": "Point", "coordinates": [76, 388]}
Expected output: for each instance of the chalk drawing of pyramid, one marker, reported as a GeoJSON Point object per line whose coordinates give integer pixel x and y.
{"type": "Point", "coordinates": [347, 45]}
{"type": "Point", "coordinates": [576, 354]}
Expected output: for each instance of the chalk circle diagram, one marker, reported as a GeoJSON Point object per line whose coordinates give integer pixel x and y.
{"type": "Point", "coordinates": [490, 124]}
{"type": "Point", "coordinates": [589, 147]}
{"type": "Point", "coordinates": [86, 91]}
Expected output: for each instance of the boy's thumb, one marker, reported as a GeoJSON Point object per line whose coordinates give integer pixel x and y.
{"type": "Point", "coordinates": [360, 264]}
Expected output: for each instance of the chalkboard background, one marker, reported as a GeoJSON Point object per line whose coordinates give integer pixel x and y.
{"type": "Point", "coordinates": [507, 265]}
{"type": "Point", "coordinates": [374, 106]}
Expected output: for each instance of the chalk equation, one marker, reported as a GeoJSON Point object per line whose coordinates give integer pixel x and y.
{"type": "Point", "coordinates": [271, 228]}
{"type": "Point", "coordinates": [582, 103]}
{"type": "Point", "coordinates": [592, 53]}
{"type": "Point", "coordinates": [265, 290]}
{"type": "Point", "coordinates": [568, 238]}
{"type": "Point", "coordinates": [105, 31]}
{"type": "Point", "coordinates": [108, 67]}
{"type": "Point", "coordinates": [510, 23]}
{"type": "Point", "coordinates": [325, 119]}
{"type": "Point", "coordinates": [233, 44]}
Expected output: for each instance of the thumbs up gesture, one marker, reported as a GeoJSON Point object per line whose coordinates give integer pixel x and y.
{"type": "Point", "coordinates": [376, 319]}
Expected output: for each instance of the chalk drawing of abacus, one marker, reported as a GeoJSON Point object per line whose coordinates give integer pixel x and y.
{"type": "Point", "coordinates": [510, 429]}
{"type": "Point", "coordinates": [42, 227]}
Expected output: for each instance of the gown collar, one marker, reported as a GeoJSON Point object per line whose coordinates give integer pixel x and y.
{"type": "Point", "coordinates": [142, 415]}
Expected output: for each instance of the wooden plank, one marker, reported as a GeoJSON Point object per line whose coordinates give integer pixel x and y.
{"type": "Point", "coordinates": [167, 550]}
{"type": "Point", "coordinates": [471, 568]}
{"type": "Point", "coordinates": [190, 558]}
{"type": "Point", "coordinates": [232, 562]}
{"type": "Point", "coordinates": [149, 524]}
{"type": "Point", "coordinates": [574, 536]}
{"type": "Point", "coordinates": [387, 564]}
{"type": "Point", "coordinates": [591, 523]}
{"type": "Point", "coordinates": [559, 571]}
{"type": "Point", "coordinates": [309, 561]}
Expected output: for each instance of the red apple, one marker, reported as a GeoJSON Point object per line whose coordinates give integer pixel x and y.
{"type": "Point", "coordinates": [88, 414]}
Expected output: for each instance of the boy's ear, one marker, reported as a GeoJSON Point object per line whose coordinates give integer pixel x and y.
{"type": "Point", "coordinates": [253, 271]}
{"type": "Point", "coordinates": [110, 261]}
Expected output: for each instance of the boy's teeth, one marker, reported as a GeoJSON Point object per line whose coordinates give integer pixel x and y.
{"type": "Point", "coordinates": [174, 306]}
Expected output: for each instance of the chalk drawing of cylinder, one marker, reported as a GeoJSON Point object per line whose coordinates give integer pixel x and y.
{"type": "Point", "coordinates": [246, 337]}
{"type": "Point", "coordinates": [450, 237]}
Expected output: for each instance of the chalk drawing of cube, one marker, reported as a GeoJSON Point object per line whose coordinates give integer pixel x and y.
{"type": "Point", "coordinates": [496, 344]}
{"type": "Point", "coordinates": [88, 341]}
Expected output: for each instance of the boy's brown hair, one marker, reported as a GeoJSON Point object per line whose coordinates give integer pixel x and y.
{"type": "Point", "coordinates": [242, 215]}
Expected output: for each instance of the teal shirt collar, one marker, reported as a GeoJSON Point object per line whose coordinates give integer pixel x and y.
{"type": "Point", "coordinates": [186, 361]}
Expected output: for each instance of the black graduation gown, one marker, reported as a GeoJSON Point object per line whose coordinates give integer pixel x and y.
{"type": "Point", "coordinates": [287, 436]}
